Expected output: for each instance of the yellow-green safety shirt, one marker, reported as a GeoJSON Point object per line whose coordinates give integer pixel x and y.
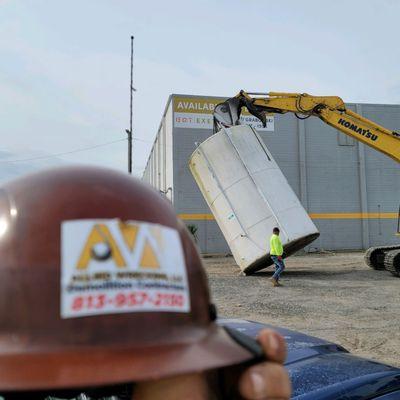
{"type": "Point", "coordinates": [275, 246]}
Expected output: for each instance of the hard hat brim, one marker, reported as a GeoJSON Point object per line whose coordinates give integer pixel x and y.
{"type": "Point", "coordinates": [98, 367]}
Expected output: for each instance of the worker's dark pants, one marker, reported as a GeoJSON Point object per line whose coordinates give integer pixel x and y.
{"type": "Point", "coordinates": [279, 267]}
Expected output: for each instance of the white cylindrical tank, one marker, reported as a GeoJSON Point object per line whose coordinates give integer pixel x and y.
{"type": "Point", "coordinates": [248, 196]}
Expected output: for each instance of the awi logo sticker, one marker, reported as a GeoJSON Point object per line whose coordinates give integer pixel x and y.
{"type": "Point", "coordinates": [110, 266]}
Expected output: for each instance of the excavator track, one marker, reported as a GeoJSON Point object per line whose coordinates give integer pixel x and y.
{"type": "Point", "coordinates": [392, 261]}
{"type": "Point", "coordinates": [375, 256]}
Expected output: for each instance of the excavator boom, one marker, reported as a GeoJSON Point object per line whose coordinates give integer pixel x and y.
{"type": "Point", "coordinates": [330, 109]}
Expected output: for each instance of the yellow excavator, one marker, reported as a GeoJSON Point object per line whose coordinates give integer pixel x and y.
{"type": "Point", "coordinates": [333, 111]}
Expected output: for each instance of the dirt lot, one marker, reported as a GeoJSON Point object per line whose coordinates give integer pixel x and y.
{"type": "Point", "coordinates": [332, 296]}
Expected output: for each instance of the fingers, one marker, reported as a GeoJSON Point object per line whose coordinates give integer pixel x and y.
{"type": "Point", "coordinates": [268, 380]}
{"type": "Point", "coordinates": [265, 381]}
{"type": "Point", "coordinates": [273, 344]}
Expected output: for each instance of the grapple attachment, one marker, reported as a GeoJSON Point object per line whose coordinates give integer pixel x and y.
{"type": "Point", "coordinates": [228, 113]}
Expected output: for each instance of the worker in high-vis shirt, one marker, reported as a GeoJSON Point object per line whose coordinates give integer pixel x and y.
{"type": "Point", "coordinates": [276, 252]}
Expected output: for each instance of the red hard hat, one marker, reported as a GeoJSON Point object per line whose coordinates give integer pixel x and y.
{"type": "Point", "coordinates": [100, 284]}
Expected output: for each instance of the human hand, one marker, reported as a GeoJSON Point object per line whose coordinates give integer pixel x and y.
{"type": "Point", "coordinates": [280, 258]}
{"type": "Point", "coordinates": [263, 381]}
{"type": "Point", "coordinates": [269, 379]}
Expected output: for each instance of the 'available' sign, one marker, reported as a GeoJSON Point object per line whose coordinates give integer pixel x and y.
{"type": "Point", "coordinates": [197, 112]}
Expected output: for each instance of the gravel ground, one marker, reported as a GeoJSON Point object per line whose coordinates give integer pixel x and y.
{"type": "Point", "coordinates": [332, 296]}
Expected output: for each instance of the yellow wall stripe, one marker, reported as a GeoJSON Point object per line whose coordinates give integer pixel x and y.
{"type": "Point", "coordinates": [210, 217]}
{"type": "Point", "coordinates": [195, 217]}
{"type": "Point", "coordinates": [354, 216]}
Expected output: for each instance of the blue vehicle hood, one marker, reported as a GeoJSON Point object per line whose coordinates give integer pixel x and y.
{"type": "Point", "coordinates": [322, 370]}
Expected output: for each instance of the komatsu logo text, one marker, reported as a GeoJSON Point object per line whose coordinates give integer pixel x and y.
{"type": "Point", "coordinates": [364, 132]}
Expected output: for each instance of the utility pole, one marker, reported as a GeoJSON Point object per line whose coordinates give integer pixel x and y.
{"type": "Point", "coordinates": [129, 132]}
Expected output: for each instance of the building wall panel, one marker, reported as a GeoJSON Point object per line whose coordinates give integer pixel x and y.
{"type": "Point", "coordinates": [336, 178]}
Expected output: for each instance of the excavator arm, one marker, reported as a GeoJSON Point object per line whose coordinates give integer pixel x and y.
{"type": "Point", "coordinates": [330, 109]}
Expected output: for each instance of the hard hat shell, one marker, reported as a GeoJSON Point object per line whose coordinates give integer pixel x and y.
{"type": "Point", "coordinates": [41, 350]}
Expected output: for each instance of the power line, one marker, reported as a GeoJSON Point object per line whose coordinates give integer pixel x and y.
{"type": "Point", "coordinates": [64, 153]}
{"type": "Point", "coordinates": [143, 140]}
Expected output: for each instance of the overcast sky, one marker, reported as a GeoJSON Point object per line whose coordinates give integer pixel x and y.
{"type": "Point", "coordinates": [65, 65]}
